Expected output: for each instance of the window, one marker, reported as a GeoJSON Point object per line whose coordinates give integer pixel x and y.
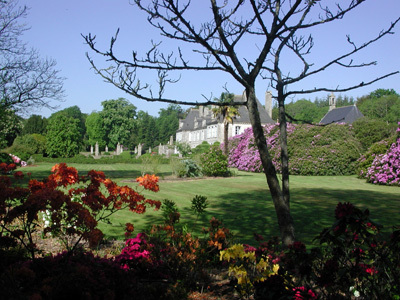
{"type": "Point", "coordinates": [237, 130]}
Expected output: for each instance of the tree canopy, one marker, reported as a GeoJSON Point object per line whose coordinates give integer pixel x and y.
{"type": "Point", "coordinates": [63, 138]}
{"type": "Point", "coordinates": [118, 121]}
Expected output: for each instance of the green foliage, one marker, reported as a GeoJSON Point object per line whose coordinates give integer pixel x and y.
{"type": "Point", "coordinates": [304, 111]}
{"type": "Point", "coordinates": [381, 104]}
{"type": "Point", "coordinates": [214, 162]}
{"type": "Point", "coordinates": [5, 158]}
{"type": "Point", "coordinates": [189, 168]}
{"type": "Point", "coordinates": [10, 127]}
{"type": "Point", "coordinates": [200, 149]}
{"type": "Point", "coordinates": [366, 160]}
{"type": "Point", "coordinates": [75, 113]}
{"type": "Point", "coordinates": [29, 144]}
{"type": "Point", "coordinates": [369, 131]}
{"type": "Point", "coordinates": [326, 150]}
{"type": "Point", "coordinates": [63, 136]}
{"type": "Point", "coordinates": [35, 124]}
{"type": "Point", "coordinates": [118, 121]}
{"type": "Point", "coordinates": [183, 148]}
{"type": "Point", "coordinates": [199, 204]}
{"type": "Point", "coordinates": [167, 123]}
{"type": "Point", "coordinates": [170, 211]}
{"type": "Point", "coordinates": [95, 131]}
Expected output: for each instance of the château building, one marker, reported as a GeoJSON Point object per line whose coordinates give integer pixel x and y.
{"type": "Point", "coordinates": [201, 125]}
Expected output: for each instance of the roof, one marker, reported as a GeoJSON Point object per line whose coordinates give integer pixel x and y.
{"type": "Point", "coordinates": [195, 116]}
{"type": "Point", "coordinates": [345, 114]}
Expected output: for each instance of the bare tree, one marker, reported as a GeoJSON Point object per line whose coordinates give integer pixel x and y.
{"type": "Point", "coordinates": [274, 25]}
{"type": "Point", "coordinates": [26, 80]}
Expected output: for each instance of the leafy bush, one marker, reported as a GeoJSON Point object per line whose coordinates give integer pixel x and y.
{"type": "Point", "coordinates": [313, 150]}
{"type": "Point", "coordinates": [214, 162]}
{"type": "Point", "coordinates": [385, 168]}
{"type": "Point", "coordinates": [353, 260]}
{"type": "Point", "coordinates": [185, 168]}
{"type": "Point", "coordinates": [366, 160]}
{"type": "Point", "coordinates": [72, 205]}
{"type": "Point", "coordinates": [5, 158]}
{"type": "Point", "coordinates": [202, 148]}
{"type": "Point", "coordinates": [29, 144]}
{"type": "Point", "coordinates": [370, 131]}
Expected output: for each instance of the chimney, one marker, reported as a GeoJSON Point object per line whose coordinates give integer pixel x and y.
{"type": "Point", "coordinates": [268, 103]}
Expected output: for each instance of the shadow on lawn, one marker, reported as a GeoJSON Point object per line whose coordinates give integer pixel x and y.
{"type": "Point", "coordinates": [313, 209]}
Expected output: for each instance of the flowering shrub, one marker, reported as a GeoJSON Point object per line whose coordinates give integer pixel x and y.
{"type": "Point", "coordinates": [19, 161]}
{"type": "Point", "coordinates": [72, 204]}
{"type": "Point", "coordinates": [247, 267]}
{"type": "Point", "coordinates": [353, 260]}
{"type": "Point", "coordinates": [313, 150]}
{"type": "Point", "coordinates": [365, 161]}
{"type": "Point", "coordinates": [385, 168]}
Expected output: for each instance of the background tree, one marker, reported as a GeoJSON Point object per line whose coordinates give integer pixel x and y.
{"type": "Point", "coordinates": [222, 42]}
{"type": "Point", "coordinates": [26, 80]}
{"type": "Point", "coordinates": [35, 124]}
{"type": "Point", "coordinates": [95, 130]}
{"type": "Point", "coordinates": [227, 112]}
{"type": "Point", "coordinates": [118, 121]}
{"type": "Point", "coordinates": [381, 104]}
{"type": "Point", "coordinates": [369, 131]}
{"type": "Point", "coordinates": [63, 138]}
{"type": "Point", "coordinates": [75, 113]}
{"type": "Point", "coordinates": [10, 128]}
{"type": "Point", "coordinates": [304, 111]}
{"type": "Point", "coordinates": [167, 122]}
{"type": "Point", "coordinates": [146, 131]}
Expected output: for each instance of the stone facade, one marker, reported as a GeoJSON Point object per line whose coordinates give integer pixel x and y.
{"type": "Point", "coordinates": [201, 125]}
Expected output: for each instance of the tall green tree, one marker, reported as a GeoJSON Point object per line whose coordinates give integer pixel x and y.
{"type": "Point", "coordinates": [381, 104]}
{"type": "Point", "coordinates": [75, 113]}
{"type": "Point", "coordinates": [167, 122]}
{"type": "Point", "coordinates": [95, 130]}
{"type": "Point", "coordinates": [63, 138]}
{"type": "Point", "coordinates": [304, 111]}
{"type": "Point", "coordinates": [10, 127]}
{"type": "Point", "coordinates": [221, 40]}
{"type": "Point", "coordinates": [146, 132]}
{"type": "Point", "coordinates": [118, 121]}
{"type": "Point", "coordinates": [35, 124]}
{"type": "Point", "coordinates": [228, 113]}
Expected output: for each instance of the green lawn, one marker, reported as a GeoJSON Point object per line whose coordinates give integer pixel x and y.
{"type": "Point", "coordinates": [244, 204]}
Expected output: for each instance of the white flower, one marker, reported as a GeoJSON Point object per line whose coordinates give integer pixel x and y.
{"type": "Point", "coordinates": [354, 292]}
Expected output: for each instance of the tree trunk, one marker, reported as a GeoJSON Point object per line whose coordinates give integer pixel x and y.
{"type": "Point", "coordinates": [285, 220]}
{"type": "Point", "coordinates": [226, 131]}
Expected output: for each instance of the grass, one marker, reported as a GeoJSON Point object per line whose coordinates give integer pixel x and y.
{"type": "Point", "coordinates": [244, 204]}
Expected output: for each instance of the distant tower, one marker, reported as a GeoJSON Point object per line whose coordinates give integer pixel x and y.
{"type": "Point", "coordinates": [332, 101]}
{"type": "Point", "coordinates": [268, 103]}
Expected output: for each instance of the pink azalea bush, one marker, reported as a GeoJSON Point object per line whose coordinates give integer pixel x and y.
{"type": "Point", "coordinates": [313, 150]}
{"type": "Point", "coordinates": [385, 168]}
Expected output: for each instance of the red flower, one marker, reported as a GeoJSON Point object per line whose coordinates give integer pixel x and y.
{"type": "Point", "coordinates": [149, 182]}
{"type": "Point", "coordinates": [343, 210]}
{"type": "Point", "coordinates": [64, 175]}
{"type": "Point", "coordinates": [18, 175]}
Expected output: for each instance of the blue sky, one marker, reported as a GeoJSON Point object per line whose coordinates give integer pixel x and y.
{"type": "Point", "coordinates": [56, 28]}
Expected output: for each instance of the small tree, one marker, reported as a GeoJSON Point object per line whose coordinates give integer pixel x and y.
{"type": "Point", "coordinates": [63, 137]}
{"type": "Point", "coordinates": [227, 113]}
